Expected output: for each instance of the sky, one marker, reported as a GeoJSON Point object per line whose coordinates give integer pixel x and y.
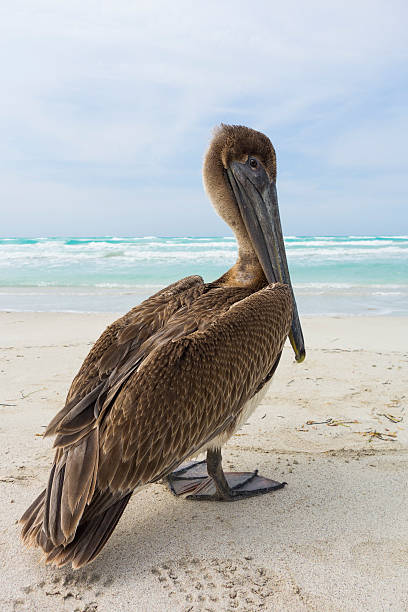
{"type": "Point", "coordinates": [106, 109]}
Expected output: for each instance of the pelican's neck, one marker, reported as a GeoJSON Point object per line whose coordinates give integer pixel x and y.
{"type": "Point", "coordinates": [247, 271]}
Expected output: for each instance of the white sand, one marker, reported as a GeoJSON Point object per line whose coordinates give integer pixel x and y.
{"type": "Point", "coordinates": [336, 538]}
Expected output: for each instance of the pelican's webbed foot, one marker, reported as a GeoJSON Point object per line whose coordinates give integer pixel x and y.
{"type": "Point", "coordinates": [206, 480]}
{"type": "Point", "coordinates": [187, 477]}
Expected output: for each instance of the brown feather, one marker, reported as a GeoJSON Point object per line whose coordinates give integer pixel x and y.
{"type": "Point", "coordinates": [91, 537]}
{"type": "Point", "coordinates": [54, 511]}
{"type": "Point", "coordinates": [32, 518]}
{"type": "Point", "coordinates": [72, 409]}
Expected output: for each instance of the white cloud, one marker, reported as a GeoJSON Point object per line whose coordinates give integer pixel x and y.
{"type": "Point", "coordinates": [134, 87]}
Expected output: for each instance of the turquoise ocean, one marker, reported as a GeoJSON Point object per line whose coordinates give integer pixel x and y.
{"type": "Point", "coordinates": [332, 275]}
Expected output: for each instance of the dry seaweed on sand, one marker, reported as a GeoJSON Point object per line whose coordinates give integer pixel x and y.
{"type": "Point", "coordinates": [318, 422]}
{"type": "Point", "coordinates": [335, 422]}
{"type": "Point", "coordinates": [332, 422]}
{"type": "Point", "coordinates": [391, 417]}
{"type": "Point", "coordinates": [373, 433]}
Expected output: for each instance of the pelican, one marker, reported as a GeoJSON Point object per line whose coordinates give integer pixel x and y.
{"type": "Point", "coordinates": [177, 375]}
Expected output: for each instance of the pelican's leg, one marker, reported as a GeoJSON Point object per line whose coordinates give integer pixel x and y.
{"type": "Point", "coordinates": [214, 468]}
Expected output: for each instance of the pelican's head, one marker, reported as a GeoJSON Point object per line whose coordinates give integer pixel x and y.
{"type": "Point", "coordinates": [240, 178]}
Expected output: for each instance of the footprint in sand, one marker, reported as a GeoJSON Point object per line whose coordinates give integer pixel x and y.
{"type": "Point", "coordinates": [195, 585]}
{"type": "Point", "coordinates": [69, 591]}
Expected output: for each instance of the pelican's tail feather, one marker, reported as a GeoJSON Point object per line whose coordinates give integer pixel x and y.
{"type": "Point", "coordinates": [95, 527]}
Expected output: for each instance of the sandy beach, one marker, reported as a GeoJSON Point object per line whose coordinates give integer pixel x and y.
{"type": "Point", "coordinates": [334, 539]}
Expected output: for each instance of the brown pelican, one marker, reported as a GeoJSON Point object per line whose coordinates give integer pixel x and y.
{"type": "Point", "coordinates": [177, 374]}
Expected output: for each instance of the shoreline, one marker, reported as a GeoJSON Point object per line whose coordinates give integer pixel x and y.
{"type": "Point", "coordinates": [335, 538]}
{"type": "Point", "coordinates": [312, 301]}
{"type": "Point", "coordinates": [116, 314]}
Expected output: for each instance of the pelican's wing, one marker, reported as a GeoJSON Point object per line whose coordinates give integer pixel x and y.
{"type": "Point", "coordinates": [122, 339]}
{"type": "Point", "coordinates": [131, 330]}
{"type": "Point", "coordinates": [54, 516]}
{"type": "Point", "coordinates": [189, 390]}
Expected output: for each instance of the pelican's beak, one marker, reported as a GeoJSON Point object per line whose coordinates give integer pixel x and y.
{"type": "Point", "coordinates": [257, 200]}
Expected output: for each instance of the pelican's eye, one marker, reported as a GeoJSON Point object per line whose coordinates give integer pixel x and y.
{"type": "Point", "coordinates": [253, 163]}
